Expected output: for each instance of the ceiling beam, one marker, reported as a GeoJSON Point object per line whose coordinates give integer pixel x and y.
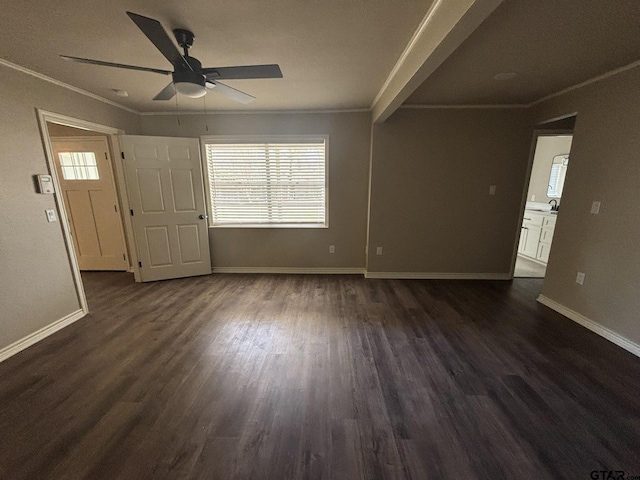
{"type": "Point", "coordinates": [447, 24]}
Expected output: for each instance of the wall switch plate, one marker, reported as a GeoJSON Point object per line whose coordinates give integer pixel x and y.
{"type": "Point", "coordinates": [51, 215]}
{"type": "Point", "coordinates": [492, 190]}
{"type": "Point", "coordinates": [595, 208]}
{"type": "Point", "coordinates": [533, 198]}
{"type": "Point", "coordinates": [332, 249]}
{"type": "Point", "coordinates": [378, 250]}
{"type": "Point", "coordinates": [580, 278]}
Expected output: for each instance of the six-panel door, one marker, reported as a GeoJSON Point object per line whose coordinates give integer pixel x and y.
{"type": "Point", "coordinates": [166, 193]}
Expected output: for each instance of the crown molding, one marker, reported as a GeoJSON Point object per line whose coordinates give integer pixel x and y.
{"type": "Point", "coordinates": [40, 76]}
{"type": "Point", "coordinates": [258, 112]}
{"type": "Point", "coordinates": [80, 91]}
{"type": "Point", "coordinates": [440, 107]}
{"type": "Point", "coordinates": [604, 76]}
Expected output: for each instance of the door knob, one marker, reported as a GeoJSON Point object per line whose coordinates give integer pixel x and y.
{"type": "Point", "coordinates": [201, 217]}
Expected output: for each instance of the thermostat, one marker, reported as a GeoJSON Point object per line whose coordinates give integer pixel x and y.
{"type": "Point", "coordinates": [45, 184]}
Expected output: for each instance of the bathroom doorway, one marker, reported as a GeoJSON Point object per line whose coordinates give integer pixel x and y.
{"type": "Point", "coordinates": [550, 163]}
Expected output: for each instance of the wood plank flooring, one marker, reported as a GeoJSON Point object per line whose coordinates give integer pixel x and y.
{"type": "Point", "coordinates": [318, 377]}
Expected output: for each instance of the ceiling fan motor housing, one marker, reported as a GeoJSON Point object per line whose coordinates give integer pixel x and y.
{"type": "Point", "coordinates": [187, 76]}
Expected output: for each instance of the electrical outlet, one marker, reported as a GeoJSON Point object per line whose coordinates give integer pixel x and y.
{"type": "Point", "coordinates": [51, 215]}
{"type": "Point", "coordinates": [580, 278]}
{"type": "Point", "coordinates": [378, 250]}
{"type": "Point", "coordinates": [595, 208]}
{"type": "Point", "coordinates": [533, 198]}
{"type": "Point", "coordinates": [492, 190]}
{"type": "Point", "coordinates": [332, 249]}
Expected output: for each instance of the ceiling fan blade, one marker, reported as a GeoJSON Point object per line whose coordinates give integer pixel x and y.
{"type": "Point", "coordinates": [229, 92]}
{"type": "Point", "coordinates": [243, 72]}
{"type": "Point", "coordinates": [117, 65]}
{"type": "Point", "coordinates": [167, 93]}
{"type": "Point", "coordinates": [155, 32]}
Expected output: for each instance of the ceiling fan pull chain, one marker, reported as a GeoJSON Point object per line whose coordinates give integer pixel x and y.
{"type": "Point", "coordinates": [177, 111]}
{"type": "Point", "coordinates": [206, 119]}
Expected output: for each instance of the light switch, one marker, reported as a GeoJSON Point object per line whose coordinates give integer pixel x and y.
{"type": "Point", "coordinates": [595, 208]}
{"type": "Point", "coordinates": [332, 249]}
{"type": "Point", "coordinates": [51, 215]}
{"type": "Point", "coordinates": [492, 190]}
{"type": "Point", "coordinates": [378, 250]}
{"type": "Point", "coordinates": [580, 278]}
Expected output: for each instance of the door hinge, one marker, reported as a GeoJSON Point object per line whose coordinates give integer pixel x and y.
{"type": "Point", "coordinates": [140, 264]}
{"type": "Point", "coordinates": [131, 211]}
{"type": "Point", "coordinates": [122, 155]}
{"type": "Point", "coordinates": [124, 257]}
{"type": "Point", "coordinates": [105, 156]}
{"type": "Point", "coordinates": [115, 207]}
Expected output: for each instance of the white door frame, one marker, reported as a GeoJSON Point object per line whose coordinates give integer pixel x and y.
{"type": "Point", "coordinates": [114, 145]}
{"type": "Point", "coordinates": [539, 131]}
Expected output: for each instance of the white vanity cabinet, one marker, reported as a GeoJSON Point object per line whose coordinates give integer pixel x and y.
{"type": "Point", "coordinates": [546, 236]}
{"type": "Point", "coordinates": [536, 235]}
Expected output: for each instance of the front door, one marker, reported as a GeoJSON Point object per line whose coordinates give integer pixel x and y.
{"type": "Point", "coordinates": [84, 169]}
{"type": "Point", "coordinates": [166, 194]}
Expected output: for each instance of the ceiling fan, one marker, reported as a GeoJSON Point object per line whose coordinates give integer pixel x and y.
{"type": "Point", "coordinates": [189, 78]}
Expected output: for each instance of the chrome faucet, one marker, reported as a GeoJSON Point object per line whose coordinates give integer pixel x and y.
{"type": "Point", "coordinates": [554, 207]}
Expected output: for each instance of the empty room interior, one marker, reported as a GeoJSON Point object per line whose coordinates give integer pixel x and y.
{"type": "Point", "coordinates": [344, 239]}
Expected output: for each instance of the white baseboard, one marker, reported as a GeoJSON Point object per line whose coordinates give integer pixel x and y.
{"type": "Point", "coordinates": [591, 325]}
{"type": "Point", "coordinates": [438, 276]}
{"type": "Point", "coordinates": [38, 335]}
{"type": "Point", "coordinates": [291, 270]}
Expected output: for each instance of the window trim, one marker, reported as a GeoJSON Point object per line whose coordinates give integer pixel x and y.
{"type": "Point", "coordinates": [222, 139]}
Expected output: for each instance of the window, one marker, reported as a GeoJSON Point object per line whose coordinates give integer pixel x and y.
{"type": "Point", "coordinates": [267, 182]}
{"type": "Point", "coordinates": [79, 166]}
{"type": "Point", "coordinates": [557, 176]}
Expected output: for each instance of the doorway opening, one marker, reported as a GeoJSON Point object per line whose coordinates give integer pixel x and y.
{"type": "Point", "coordinates": [84, 184]}
{"type": "Point", "coordinates": [550, 162]}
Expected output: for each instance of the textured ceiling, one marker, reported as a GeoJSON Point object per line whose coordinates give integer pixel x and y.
{"type": "Point", "coordinates": [334, 54]}
{"type": "Point", "coordinates": [550, 44]}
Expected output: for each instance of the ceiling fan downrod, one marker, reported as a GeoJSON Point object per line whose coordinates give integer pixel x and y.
{"type": "Point", "coordinates": [184, 39]}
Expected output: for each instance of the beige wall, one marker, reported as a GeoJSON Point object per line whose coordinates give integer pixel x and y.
{"type": "Point", "coordinates": [430, 208]}
{"type": "Point", "coordinates": [546, 149]}
{"type": "Point", "coordinates": [349, 144]}
{"type": "Point", "coordinates": [431, 211]}
{"type": "Point", "coordinates": [605, 166]}
{"type": "Point", "coordinates": [36, 286]}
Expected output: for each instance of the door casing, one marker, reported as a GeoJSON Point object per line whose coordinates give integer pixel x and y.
{"type": "Point", "coordinates": [45, 117]}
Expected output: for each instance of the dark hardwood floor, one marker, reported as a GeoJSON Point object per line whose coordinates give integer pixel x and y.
{"type": "Point", "coordinates": [292, 377]}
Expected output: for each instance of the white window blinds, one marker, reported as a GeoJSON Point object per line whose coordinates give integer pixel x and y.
{"type": "Point", "coordinates": [267, 183]}
{"type": "Point", "coordinates": [556, 180]}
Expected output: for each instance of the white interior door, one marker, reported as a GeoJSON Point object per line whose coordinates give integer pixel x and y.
{"type": "Point", "coordinates": [165, 187]}
{"type": "Point", "coordinates": [86, 178]}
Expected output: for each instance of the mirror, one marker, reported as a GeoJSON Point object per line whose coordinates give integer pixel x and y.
{"type": "Point", "coordinates": [558, 173]}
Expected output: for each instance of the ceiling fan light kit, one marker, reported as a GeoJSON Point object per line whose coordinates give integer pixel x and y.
{"type": "Point", "coordinates": [189, 84]}
{"type": "Point", "coordinates": [189, 78]}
